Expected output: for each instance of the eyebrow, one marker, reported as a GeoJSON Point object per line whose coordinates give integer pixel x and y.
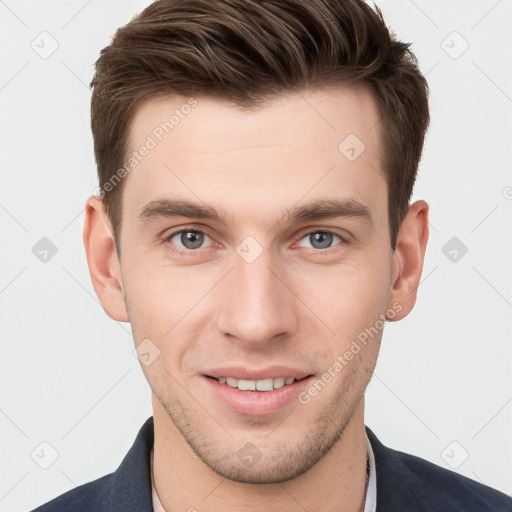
{"type": "Point", "coordinates": [166, 208]}
{"type": "Point", "coordinates": [329, 208]}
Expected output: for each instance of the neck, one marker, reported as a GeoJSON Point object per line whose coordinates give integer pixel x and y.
{"type": "Point", "coordinates": [184, 482]}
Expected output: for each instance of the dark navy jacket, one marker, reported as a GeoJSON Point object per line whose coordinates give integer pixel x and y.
{"type": "Point", "coordinates": [405, 483]}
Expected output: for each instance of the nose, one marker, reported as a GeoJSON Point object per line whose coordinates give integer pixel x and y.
{"type": "Point", "coordinates": [258, 305]}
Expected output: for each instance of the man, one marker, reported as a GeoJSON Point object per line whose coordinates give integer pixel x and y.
{"type": "Point", "coordinates": [256, 160]}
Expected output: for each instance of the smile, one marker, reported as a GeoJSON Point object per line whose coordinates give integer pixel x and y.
{"type": "Point", "coordinates": [257, 385]}
{"type": "Point", "coordinates": [255, 397]}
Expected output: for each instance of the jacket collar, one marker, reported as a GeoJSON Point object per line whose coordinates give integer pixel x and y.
{"type": "Point", "coordinates": [131, 483]}
{"type": "Point", "coordinates": [397, 487]}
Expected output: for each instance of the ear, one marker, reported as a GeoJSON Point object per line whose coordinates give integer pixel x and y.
{"type": "Point", "coordinates": [408, 259]}
{"type": "Point", "coordinates": [104, 266]}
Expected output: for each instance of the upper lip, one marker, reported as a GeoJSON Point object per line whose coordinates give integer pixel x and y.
{"type": "Point", "coordinates": [239, 372]}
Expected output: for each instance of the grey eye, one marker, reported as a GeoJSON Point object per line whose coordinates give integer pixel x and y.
{"type": "Point", "coordinates": [189, 239]}
{"type": "Point", "coordinates": [321, 239]}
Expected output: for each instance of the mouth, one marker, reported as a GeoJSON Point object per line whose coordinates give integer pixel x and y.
{"type": "Point", "coordinates": [255, 397]}
{"type": "Point", "coordinates": [263, 385]}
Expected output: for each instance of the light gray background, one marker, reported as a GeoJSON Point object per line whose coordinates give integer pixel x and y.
{"type": "Point", "coordinates": [441, 389]}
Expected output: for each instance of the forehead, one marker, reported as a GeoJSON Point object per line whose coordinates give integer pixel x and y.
{"type": "Point", "coordinates": [310, 143]}
{"type": "Point", "coordinates": [306, 116]}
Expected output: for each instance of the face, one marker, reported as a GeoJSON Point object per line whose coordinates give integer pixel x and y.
{"type": "Point", "coordinates": [255, 245]}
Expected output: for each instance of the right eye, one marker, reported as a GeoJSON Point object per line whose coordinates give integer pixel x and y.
{"type": "Point", "coordinates": [188, 239]}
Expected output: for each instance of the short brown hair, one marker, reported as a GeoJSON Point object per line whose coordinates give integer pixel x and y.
{"type": "Point", "coordinates": [248, 51]}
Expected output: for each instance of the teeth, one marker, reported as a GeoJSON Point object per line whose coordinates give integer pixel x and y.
{"type": "Point", "coordinates": [263, 385]}
{"type": "Point", "coordinates": [279, 382]}
{"type": "Point", "coordinates": [247, 385]}
{"type": "Point", "coordinates": [256, 385]}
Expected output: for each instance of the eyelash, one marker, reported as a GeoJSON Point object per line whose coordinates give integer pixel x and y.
{"type": "Point", "coordinates": [192, 252]}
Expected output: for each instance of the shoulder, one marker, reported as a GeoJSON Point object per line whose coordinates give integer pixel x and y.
{"type": "Point", "coordinates": [407, 480]}
{"type": "Point", "coordinates": [92, 496]}
{"type": "Point", "coordinates": [128, 489]}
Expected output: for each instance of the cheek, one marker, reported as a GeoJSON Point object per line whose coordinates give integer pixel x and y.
{"type": "Point", "coordinates": [155, 290]}
{"type": "Point", "coordinates": [165, 304]}
{"type": "Point", "coordinates": [349, 298]}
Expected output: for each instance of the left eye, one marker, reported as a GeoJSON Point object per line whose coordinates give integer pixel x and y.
{"type": "Point", "coordinates": [189, 239]}
{"type": "Point", "coordinates": [321, 239]}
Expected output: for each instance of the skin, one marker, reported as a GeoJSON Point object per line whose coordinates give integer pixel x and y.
{"type": "Point", "coordinates": [290, 306]}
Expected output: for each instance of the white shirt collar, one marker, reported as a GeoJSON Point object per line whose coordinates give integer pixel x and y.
{"type": "Point", "coordinates": [370, 503]}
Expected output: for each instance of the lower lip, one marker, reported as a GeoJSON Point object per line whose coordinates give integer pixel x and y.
{"type": "Point", "coordinates": [257, 403]}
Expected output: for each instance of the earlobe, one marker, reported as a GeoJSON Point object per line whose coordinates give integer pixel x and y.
{"type": "Point", "coordinates": [104, 267]}
{"type": "Point", "coordinates": [408, 258]}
